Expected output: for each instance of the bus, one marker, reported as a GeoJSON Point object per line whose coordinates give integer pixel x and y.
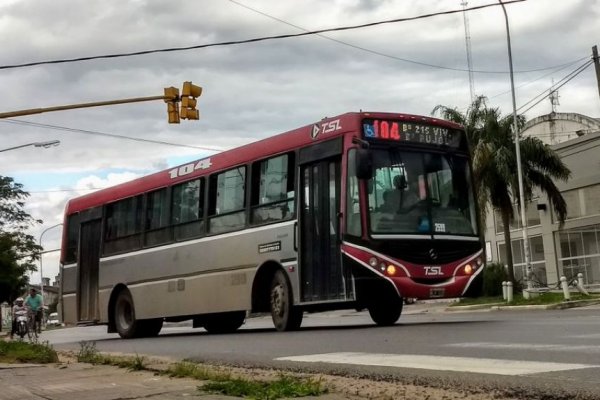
{"type": "Point", "coordinates": [356, 211]}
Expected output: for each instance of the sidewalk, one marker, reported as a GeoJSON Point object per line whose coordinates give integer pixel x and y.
{"type": "Point", "coordinates": [98, 382]}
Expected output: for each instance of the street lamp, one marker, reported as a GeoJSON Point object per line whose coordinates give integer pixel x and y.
{"type": "Point", "coordinates": [45, 145]}
{"type": "Point", "coordinates": [518, 151]}
{"type": "Point", "coordinates": [41, 257]}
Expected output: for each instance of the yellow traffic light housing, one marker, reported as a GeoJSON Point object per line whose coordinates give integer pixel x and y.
{"type": "Point", "coordinates": [172, 98]}
{"type": "Point", "coordinates": [188, 101]}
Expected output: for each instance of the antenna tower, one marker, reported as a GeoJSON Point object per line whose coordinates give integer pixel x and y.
{"type": "Point", "coordinates": [468, 45]}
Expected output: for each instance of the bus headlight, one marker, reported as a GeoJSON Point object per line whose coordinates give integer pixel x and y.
{"type": "Point", "coordinates": [391, 270]}
{"type": "Point", "coordinates": [373, 262]}
{"type": "Point", "coordinates": [468, 269]}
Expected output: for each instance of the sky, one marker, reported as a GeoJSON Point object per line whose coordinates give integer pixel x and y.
{"type": "Point", "coordinates": [252, 91]}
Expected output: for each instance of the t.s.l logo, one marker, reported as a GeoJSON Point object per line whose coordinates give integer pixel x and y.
{"type": "Point", "coordinates": [325, 127]}
{"type": "Point", "coordinates": [433, 270]}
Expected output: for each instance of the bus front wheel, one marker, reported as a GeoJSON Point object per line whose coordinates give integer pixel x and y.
{"type": "Point", "coordinates": [286, 317]}
{"type": "Point", "coordinates": [386, 308]}
{"type": "Point", "coordinates": [127, 326]}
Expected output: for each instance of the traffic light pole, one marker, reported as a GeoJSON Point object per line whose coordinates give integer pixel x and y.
{"type": "Point", "coordinates": [32, 111]}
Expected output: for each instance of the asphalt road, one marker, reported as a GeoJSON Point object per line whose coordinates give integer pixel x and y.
{"type": "Point", "coordinates": [524, 354]}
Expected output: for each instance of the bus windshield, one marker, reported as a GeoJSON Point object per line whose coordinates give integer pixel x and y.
{"type": "Point", "coordinates": [414, 192]}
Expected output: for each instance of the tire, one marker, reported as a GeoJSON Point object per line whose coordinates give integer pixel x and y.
{"type": "Point", "coordinates": [286, 317]}
{"type": "Point", "coordinates": [386, 308]}
{"type": "Point", "coordinates": [125, 323]}
{"type": "Point", "coordinates": [224, 322]}
{"type": "Point", "coordinates": [23, 330]}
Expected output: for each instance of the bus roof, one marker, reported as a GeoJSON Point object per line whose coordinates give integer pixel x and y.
{"type": "Point", "coordinates": [325, 129]}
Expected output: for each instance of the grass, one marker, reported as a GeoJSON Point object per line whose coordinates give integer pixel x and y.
{"type": "Point", "coordinates": [23, 352]}
{"type": "Point", "coordinates": [217, 380]}
{"type": "Point", "coordinates": [282, 387]}
{"type": "Point", "coordinates": [518, 300]}
{"type": "Point", "coordinates": [88, 353]}
{"type": "Point", "coordinates": [187, 369]}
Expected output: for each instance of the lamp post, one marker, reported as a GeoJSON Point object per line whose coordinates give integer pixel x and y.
{"type": "Point", "coordinates": [45, 145]}
{"type": "Point", "coordinates": [518, 153]}
{"type": "Point", "coordinates": [41, 258]}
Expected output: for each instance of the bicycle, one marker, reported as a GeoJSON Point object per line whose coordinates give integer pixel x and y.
{"type": "Point", "coordinates": [32, 331]}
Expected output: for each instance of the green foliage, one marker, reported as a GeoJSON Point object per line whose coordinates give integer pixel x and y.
{"type": "Point", "coordinates": [138, 363]}
{"type": "Point", "coordinates": [88, 352]}
{"type": "Point", "coordinates": [283, 387]}
{"type": "Point", "coordinates": [186, 369]}
{"type": "Point", "coordinates": [493, 152]}
{"type": "Point", "coordinates": [493, 276]}
{"type": "Point", "coordinates": [23, 352]}
{"type": "Point", "coordinates": [18, 250]}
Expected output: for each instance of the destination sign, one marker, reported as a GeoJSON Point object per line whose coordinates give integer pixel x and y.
{"type": "Point", "coordinates": [412, 132]}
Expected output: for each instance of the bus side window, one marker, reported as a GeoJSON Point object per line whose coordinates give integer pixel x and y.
{"type": "Point", "coordinates": [227, 200]}
{"type": "Point", "coordinates": [353, 223]}
{"type": "Point", "coordinates": [272, 189]}
{"type": "Point", "coordinates": [187, 209]}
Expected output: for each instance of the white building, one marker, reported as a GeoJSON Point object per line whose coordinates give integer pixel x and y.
{"type": "Point", "coordinates": [575, 247]}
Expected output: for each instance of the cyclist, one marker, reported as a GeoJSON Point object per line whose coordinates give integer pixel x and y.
{"type": "Point", "coordinates": [18, 307]}
{"type": "Point", "coordinates": [35, 303]}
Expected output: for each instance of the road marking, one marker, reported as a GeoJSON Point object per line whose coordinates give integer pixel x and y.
{"type": "Point", "coordinates": [439, 363]}
{"type": "Point", "coordinates": [529, 346]}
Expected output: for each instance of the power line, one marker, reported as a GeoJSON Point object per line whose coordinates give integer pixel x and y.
{"type": "Point", "coordinates": [541, 77]}
{"type": "Point", "coordinates": [111, 135]}
{"type": "Point", "coordinates": [557, 86]}
{"type": "Point", "coordinates": [265, 38]}
{"type": "Point", "coordinates": [562, 79]}
{"type": "Point", "coordinates": [391, 56]}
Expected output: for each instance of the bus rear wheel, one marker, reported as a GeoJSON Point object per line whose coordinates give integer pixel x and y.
{"type": "Point", "coordinates": [227, 322]}
{"type": "Point", "coordinates": [386, 308]}
{"type": "Point", "coordinates": [125, 323]}
{"type": "Point", "coordinates": [286, 317]}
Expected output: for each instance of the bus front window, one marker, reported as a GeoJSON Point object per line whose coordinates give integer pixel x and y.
{"type": "Point", "coordinates": [421, 193]}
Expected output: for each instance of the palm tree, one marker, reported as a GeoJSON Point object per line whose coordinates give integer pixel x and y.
{"type": "Point", "coordinates": [495, 164]}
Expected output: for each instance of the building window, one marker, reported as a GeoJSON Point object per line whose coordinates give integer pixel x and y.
{"type": "Point", "coordinates": [536, 252]}
{"type": "Point", "coordinates": [227, 200]}
{"type": "Point", "coordinates": [580, 252]}
{"type": "Point", "coordinates": [582, 202]}
{"type": "Point", "coordinates": [532, 216]}
{"type": "Point", "coordinates": [272, 189]}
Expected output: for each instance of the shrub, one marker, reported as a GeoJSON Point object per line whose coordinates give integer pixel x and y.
{"type": "Point", "coordinates": [493, 276]}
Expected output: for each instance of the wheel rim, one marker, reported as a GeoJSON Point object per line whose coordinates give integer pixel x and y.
{"type": "Point", "coordinates": [277, 300]}
{"type": "Point", "coordinates": [125, 314]}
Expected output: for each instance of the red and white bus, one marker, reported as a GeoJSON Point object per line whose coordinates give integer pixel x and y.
{"type": "Point", "coordinates": [356, 211]}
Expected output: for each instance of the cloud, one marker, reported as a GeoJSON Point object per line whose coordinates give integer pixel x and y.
{"type": "Point", "coordinates": [256, 90]}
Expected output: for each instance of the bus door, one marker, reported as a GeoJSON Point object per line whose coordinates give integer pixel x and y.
{"type": "Point", "coordinates": [89, 260]}
{"type": "Point", "coordinates": [321, 273]}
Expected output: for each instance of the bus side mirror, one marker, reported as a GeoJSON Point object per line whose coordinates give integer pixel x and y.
{"type": "Point", "coordinates": [364, 164]}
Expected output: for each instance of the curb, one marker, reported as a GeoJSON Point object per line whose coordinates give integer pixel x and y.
{"type": "Point", "coordinates": [502, 306]}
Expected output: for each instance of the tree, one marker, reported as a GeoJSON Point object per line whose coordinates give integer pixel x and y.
{"type": "Point", "coordinates": [492, 144]}
{"type": "Point", "coordinates": [18, 249]}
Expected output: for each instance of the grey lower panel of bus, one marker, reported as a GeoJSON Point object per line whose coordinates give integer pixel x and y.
{"type": "Point", "coordinates": [211, 274]}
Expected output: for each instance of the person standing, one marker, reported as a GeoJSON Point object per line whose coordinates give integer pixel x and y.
{"type": "Point", "coordinates": [36, 304]}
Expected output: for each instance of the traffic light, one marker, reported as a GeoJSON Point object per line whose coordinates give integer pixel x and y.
{"type": "Point", "coordinates": [172, 98]}
{"type": "Point", "coordinates": [188, 101]}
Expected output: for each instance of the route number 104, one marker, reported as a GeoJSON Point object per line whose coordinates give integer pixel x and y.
{"type": "Point", "coordinates": [189, 168]}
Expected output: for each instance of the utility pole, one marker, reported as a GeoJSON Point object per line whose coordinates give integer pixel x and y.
{"type": "Point", "coordinates": [597, 65]}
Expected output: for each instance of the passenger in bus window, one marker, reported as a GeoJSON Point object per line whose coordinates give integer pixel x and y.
{"type": "Point", "coordinates": [391, 201]}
